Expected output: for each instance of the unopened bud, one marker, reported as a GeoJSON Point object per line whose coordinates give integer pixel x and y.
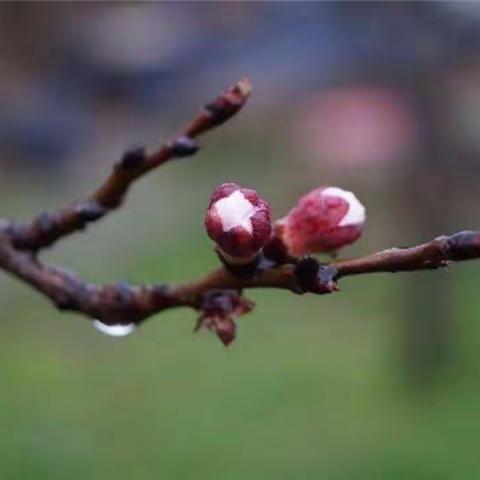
{"type": "Point", "coordinates": [238, 221]}
{"type": "Point", "coordinates": [324, 220]}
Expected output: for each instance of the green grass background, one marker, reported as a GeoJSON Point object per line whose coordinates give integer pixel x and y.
{"type": "Point", "coordinates": [313, 388]}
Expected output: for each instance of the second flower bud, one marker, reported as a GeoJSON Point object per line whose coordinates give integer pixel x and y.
{"type": "Point", "coordinates": [324, 220]}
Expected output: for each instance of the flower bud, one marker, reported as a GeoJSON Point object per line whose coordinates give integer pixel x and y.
{"type": "Point", "coordinates": [238, 221]}
{"type": "Point", "coordinates": [219, 309]}
{"type": "Point", "coordinates": [324, 220]}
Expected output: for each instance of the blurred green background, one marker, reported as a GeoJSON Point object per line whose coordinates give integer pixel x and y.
{"type": "Point", "coordinates": [381, 380]}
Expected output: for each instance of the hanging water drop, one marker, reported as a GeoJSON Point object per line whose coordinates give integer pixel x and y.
{"type": "Point", "coordinates": [118, 330]}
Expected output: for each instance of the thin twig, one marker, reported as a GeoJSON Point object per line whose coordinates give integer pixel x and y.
{"type": "Point", "coordinates": [44, 230]}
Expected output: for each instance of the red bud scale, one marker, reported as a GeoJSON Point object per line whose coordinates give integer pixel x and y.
{"type": "Point", "coordinates": [238, 221]}
{"type": "Point", "coordinates": [324, 220]}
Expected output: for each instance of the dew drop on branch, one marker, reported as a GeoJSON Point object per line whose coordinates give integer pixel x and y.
{"type": "Point", "coordinates": [114, 330]}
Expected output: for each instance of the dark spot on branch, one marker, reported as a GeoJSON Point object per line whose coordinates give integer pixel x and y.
{"type": "Point", "coordinates": [132, 159]}
{"type": "Point", "coordinates": [89, 211]}
{"type": "Point", "coordinates": [312, 276]}
{"type": "Point", "coordinates": [184, 146]}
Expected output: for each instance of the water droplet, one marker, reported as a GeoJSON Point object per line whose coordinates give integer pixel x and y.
{"type": "Point", "coordinates": [115, 330]}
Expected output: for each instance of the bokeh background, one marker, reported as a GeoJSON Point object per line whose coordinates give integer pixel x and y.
{"type": "Point", "coordinates": [379, 381]}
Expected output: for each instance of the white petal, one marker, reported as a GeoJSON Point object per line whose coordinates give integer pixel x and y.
{"type": "Point", "coordinates": [235, 210]}
{"type": "Point", "coordinates": [356, 212]}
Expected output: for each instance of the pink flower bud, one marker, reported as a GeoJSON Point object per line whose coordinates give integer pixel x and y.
{"type": "Point", "coordinates": [238, 221]}
{"type": "Point", "coordinates": [324, 220]}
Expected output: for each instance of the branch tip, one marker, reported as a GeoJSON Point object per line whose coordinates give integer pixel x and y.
{"type": "Point", "coordinates": [244, 86]}
{"type": "Point", "coordinates": [228, 103]}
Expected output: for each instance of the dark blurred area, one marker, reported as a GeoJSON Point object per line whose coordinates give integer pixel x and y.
{"type": "Point", "coordinates": [378, 381]}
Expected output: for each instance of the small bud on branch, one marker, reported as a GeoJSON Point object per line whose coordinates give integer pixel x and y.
{"type": "Point", "coordinates": [324, 220]}
{"type": "Point", "coordinates": [132, 159]}
{"type": "Point", "coordinates": [312, 276]}
{"type": "Point", "coordinates": [228, 104]}
{"type": "Point", "coordinates": [184, 147]}
{"type": "Point", "coordinates": [219, 310]}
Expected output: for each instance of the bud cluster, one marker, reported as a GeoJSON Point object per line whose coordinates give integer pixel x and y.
{"type": "Point", "coordinates": [323, 221]}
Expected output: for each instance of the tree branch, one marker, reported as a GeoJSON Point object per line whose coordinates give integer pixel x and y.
{"type": "Point", "coordinates": [123, 303]}
{"type": "Point", "coordinates": [218, 295]}
{"type": "Point", "coordinates": [437, 253]}
{"type": "Point", "coordinates": [44, 230]}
